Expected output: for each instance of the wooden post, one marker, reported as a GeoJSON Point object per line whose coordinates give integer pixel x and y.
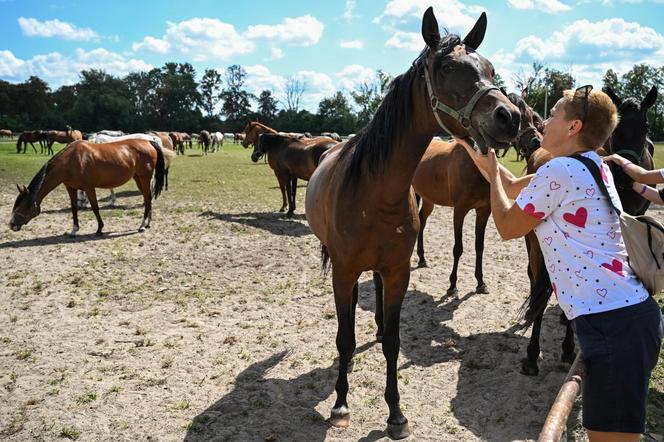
{"type": "Point", "coordinates": [556, 420]}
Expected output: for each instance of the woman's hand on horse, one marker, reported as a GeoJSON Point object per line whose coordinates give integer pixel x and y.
{"type": "Point", "coordinates": [614, 157]}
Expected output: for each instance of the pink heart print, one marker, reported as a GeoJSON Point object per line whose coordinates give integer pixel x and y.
{"type": "Point", "coordinates": [548, 240]}
{"type": "Point", "coordinates": [601, 292]}
{"type": "Point", "coordinates": [601, 172]}
{"type": "Point", "coordinates": [554, 185]}
{"type": "Point", "coordinates": [616, 267]}
{"type": "Point", "coordinates": [578, 219]}
{"type": "Point", "coordinates": [552, 268]}
{"type": "Point", "coordinates": [530, 210]}
{"type": "Point", "coordinates": [578, 274]}
{"type": "Point", "coordinates": [611, 234]}
{"type": "Point", "coordinates": [590, 191]}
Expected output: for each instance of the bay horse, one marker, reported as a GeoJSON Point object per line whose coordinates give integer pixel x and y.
{"type": "Point", "coordinates": [252, 130]}
{"type": "Point", "coordinates": [84, 165]}
{"type": "Point", "coordinates": [290, 159]}
{"type": "Point", "coordinates": [178, 142]}
{"type": "Point", "coordinates": [359, 201]}
{"type": "Point", "coordinates": [205, 140]}
{"type": "Point", "coordinates": [631, 136]}
{"type": "Point", "coordinates": [238, 137]}
{"type": "Point", "coordinates": [530, 136]}
{"type": "Point", "coordinates": [30, 136]}
{"type": "Point", "coordinates": [60, 136]}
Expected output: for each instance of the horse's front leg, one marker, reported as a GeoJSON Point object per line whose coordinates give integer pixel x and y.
{"type": "Point", "coordinates": [481, 219]}
{"type": "Point", "coordinates": [143, 184]}
{"type": "Point", "coordinates": [457, 251]}
{"type": "Point", "coordinates": [291, 195]}
{"type": "Point", "coordinates": [425, 211]}
{"type": "Point", "coordinates": [395, 284]}
{"type": "Point", "coordinates": [529, 363]}
{"type": "Point", "coordinates": [92, 197]}
{"type": "Point", "coordinates": [73, 200]}
{"type": "Point", "coordinates": [378, 314]}
{"type": "Point", "coordinates": [342, 284]}
{"type": "Point", "coordinates": [282, 186]}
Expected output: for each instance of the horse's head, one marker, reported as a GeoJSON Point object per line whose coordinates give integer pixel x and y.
{"type": "Point", "coordinates": [460, 87]}
{"type": "Point", "coordinates": [529, 137]}
{"type": "Point", "coordinates": [25, 208]}
{"type": "Point", "coordinates": [263, 144]}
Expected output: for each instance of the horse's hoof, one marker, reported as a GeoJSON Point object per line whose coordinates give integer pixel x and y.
{"type": "Point", "coordinates": [283, 209]}
{"type": "Point", "coordinates": [340, 418]}
{"type": "Point", "coordinates": [482, 288]}
{"type": "Point", "coordinates": [289, 215]}
{"type": "Point", "coordinates": [398, 431]}
{"type": "Point", "coordinates": [529, 368]}
{"type": "Point", "coordinates": [452, 291]}
{"type": "Point", "coordinates": [99, 233]}
{"type": "Point", "coordinates": [141, 229]}
{"type": "Point", "coordinates": [422, 265]}
{"type": "Point", "coordinates": [379, 339]}
{"type": "Point", "coordinates": [568, 358]}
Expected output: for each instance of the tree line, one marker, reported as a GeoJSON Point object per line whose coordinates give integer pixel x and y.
{"type": "Point", "coordinates": [170, 98]}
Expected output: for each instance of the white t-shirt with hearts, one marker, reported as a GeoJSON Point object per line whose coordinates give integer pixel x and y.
{"type": "Point", "coordinates": [580, 237]}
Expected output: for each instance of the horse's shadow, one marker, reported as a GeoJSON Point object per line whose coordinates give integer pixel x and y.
{"type": "Point", "coordinates": [64, 239]}
{"type": "Point", "coordinates": [275, 223]}
{"type": "Point", "coordinates": [493, 399]}
{"type": "Point", "coordinates": [264, 408]}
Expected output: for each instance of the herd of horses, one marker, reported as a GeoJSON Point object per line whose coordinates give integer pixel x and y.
{"type": "Point", "coordinates": [369, 197]}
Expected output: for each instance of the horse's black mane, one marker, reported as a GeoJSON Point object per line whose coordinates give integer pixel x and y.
{"type": "Point", "coordinates": [38, 180]}
{"type": "Point", "coordinates": [375, 142]}
{"type": "Point", "coordinates": [630, 104]}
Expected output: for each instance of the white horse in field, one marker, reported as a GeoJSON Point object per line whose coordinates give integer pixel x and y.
{"type": "Point", "coordinates": [99, 138]}
{"type": "Point", "coordinates": [228, 136]}
{"type": "Point", "coordinates": [217, 141]}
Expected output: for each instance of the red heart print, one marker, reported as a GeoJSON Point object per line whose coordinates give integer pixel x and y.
{"type": "Point", "coordinates": [530, 210]}
{"type": "Point", "coordinates": [615, 266]}
{"type": "Point", "coordinates": [589, 253]}
{"type": "Point", "coordinates": [548, 240]}
{"type": "Point", "coordinates": [554, 185]}
{"type": "Point", "coordinates": [555, 290]}
{"type": "Point", "coordinates": [590, 191]}
{"type": "Point", "coordinates": [578, 219]}
{"type": "Point", "coordinates": [601, 292]}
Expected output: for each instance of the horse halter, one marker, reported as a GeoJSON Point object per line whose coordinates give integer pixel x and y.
{"type": "Point", "coordinates": [462, 115]}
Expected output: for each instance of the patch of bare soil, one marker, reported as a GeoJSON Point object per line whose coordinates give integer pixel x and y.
{"type": "Point", "coordinates": [220, 326]}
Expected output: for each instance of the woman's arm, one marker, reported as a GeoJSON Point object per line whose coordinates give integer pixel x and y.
{"type": "Point", "coordinates": [636, 172]}
{"type": "Point", "coordinates": [649, 193]}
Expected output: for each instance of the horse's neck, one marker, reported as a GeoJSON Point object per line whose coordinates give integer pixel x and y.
{"type": "Point", "coordinates": [53, 179]}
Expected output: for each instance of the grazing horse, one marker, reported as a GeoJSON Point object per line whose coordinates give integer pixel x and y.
{"type": "Point", "coordinates": [30, 136]}
{"type": "Point", "coordinates": [290, 159]}
{"type": "Point", "coordinates": [217, 141]}
{"type": "Point", "coordinates": [359, 201]}
{"type": "Point", "coordinates": [238, 138]}
{"type": "Point", "coordinates": [253, 130]}
{"type": "Point", "coordinates": [84, 165]}
{"type": "Point", "coordinates": [60, 136]}
{"type": "Point", "coordinates": [178, 142]}
{"type": "Point", "coordinates": [335, 136]}
{"type": "Point", "coordinates": [447, 176]}
{"type": "Point", "coordinates": [206, 140]}
{"type": "Point", "coordinates": [5, 133]}
{"type": "Point", "coordinates": [630, 138]}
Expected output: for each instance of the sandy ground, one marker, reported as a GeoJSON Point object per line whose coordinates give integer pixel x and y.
{"type": "Point", "coordinates": [219, 326]}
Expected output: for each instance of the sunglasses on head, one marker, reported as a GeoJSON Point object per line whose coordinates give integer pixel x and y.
{"type": "Point", "coordinates": [586, 92]}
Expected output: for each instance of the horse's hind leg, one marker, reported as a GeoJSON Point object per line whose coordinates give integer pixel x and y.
{"type": "Point", "coordinates": [481, 218]}
{"type": "Point", "coordinates": [529, 364]}
{"type": "Point", "coordinates": [92, 197]}
{"type": "Point", "coordinates": [282, 186]}
{"type": "Point", "coordinates": [113, 198]}
{"type": "Point", "coordinates": [33, 147]}
{"type": "Point", "coordinates": [457, 251]}
{"type": "Point", "coordinates": [289, 195]}
{"type": "Point", "coordinates": [293, 192]}
{"type": "Point", "coordinates": [378, 314]}
{"type": "Point", "coordinates": [343, 283]}
{"type": "Point", "coordinates": [425, 211]}
{"type": "Point", "coordinates": [143, 184]}
{"type": "Point", "coordinates": [73, 200]}
{"type": "Point", "coordinates": [395, 285]}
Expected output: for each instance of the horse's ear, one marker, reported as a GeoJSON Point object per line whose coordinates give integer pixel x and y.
{"type": "Point", "coordinates": [476, 35]}
{"type": "Point", "coordinates": [430, 31]}
{"type": "Point", "coordinates": [650, 99]}
{"type": "Point", "coordinates": [613, 96]}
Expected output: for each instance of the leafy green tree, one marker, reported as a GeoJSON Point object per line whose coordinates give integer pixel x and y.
{"type": "Point", "coordinates": [267, 107]}
{"type": "Point", "coordinates": [334, 114]}
{"type": "Point", "coordinates": [611, 80]}
{"type": "Point", "coordinates": [236, 105]}
{"type": "Point", "coordinates": [368, 95]}
{"type": "Point", "coordinates": [210, 88]}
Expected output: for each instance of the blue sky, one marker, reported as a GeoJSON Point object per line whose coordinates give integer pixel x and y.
{"type": "Point", "coordinates": [329, 45]}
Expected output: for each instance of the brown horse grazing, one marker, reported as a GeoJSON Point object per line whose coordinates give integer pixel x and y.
{"type": "Point", "coordinates": [447, 176]}
{"type": "Point", "coordinates": [290, 159]}
{"type": "Point", "coordinates": [86, 166]}
{"type": "Point", "coordinates": [359, 201]}
{"type": "Point", "coordinates": [631, 136]}
{"type": "Point", "coordinates": [252, 130]}
{"type": "Point", "coordinates": [6, 133]}
{"type": "Point", "coordinates": [60, 136]}
{"type": "Point", "coordinates": [30, 136]}
{"type": "Point", "coordinates": [177, 138]}
{"type": "Point", "coordinates": [205, 140]}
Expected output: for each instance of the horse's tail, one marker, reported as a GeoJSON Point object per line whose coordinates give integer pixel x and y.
{"type": "Point", "coordinates": [538, 297]}
{"type": "Point", "coordinates": [159, 171]}
{"type": "Point", "coordinates": [325, 258]}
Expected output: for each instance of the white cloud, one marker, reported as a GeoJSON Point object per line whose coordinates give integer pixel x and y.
{"type": "Point", "coordinates": [411, 41]}
{"type": "Point", "coordinates": [199, 39]}
{"type": "Point", "coordinates": [303, 31]}
{"type": "Point", "coordinates": [348, 10]}
{"type": "Point", "coordinates": [354, 75]}
{"type": "Point", "coordinates": [58, 69]}
{"type": "Point", "coordinates": [548, 6]}
{"type": "Point", "coordinates": [153, 45]}
{"type": "Point", "coordinates": [451, 14]}
{"type": "Point", "coordinates": [351, 44]}
{"type": "Point", "coordinates": [32, 27]}
{"type": "Point", "coordinates": [276, 53]}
